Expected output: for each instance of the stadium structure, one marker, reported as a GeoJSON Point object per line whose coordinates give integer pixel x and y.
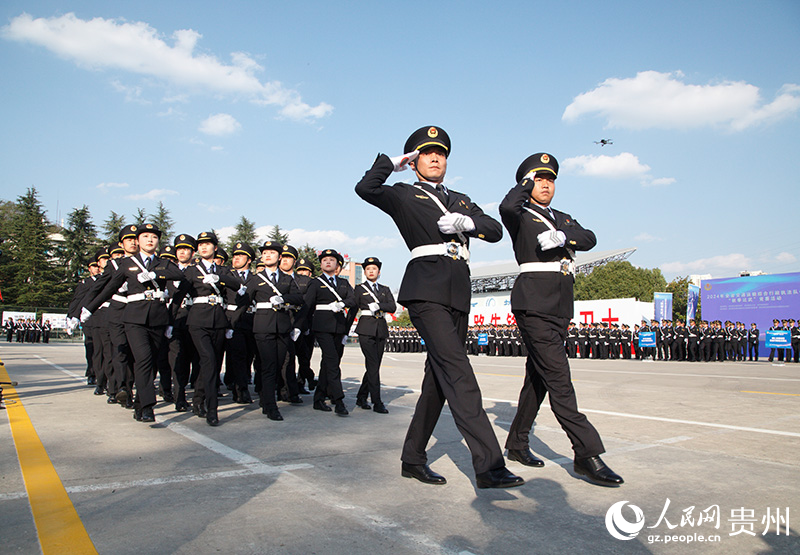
{"type": "Point", "coordinates": [501, 277]}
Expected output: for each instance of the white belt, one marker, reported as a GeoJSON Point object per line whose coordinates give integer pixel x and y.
{"type": "Point", "coordinates": [186, 302]}
{"type": "Point", "coordinates": [265, 305]}
{"type": "Point", "coordinates": [453, 250]}
{"type": "Point", "coordinates": [149, 295]}
{"type": "Point", "coordinates": [120, 298]}
{"type": "Point", "coordinates": [323, 307]}
{"type": "Point", "coordinates": [564, 266]}
{"type": "Point", "coordinates": [249, 310]}
{"type": "Point", "coordinates": [367, 312]}
{"type": "Point", "coordinates": [210, 299]}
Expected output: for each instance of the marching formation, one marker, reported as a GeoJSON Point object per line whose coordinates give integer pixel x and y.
{"type": "Point", "coordinates": [178, 312]}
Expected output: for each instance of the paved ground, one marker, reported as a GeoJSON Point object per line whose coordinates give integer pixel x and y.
{"type": "Point", "coordinates": [719, 440]}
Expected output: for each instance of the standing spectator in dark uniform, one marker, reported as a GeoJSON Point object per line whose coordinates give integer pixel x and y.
{"type": "Point", "coordinates": [753, 336]}
{"type": "Point", "coordinates": [436, 225]}
{"type": "Point", "coordinates": [304, 346]}
{"type": "Point", "coordinates": [572, 341]}
{"type": "Point", "coordinates": [625, 338]}
{"type": "Point", "coordinates": [374, 301]}
{"type": "Point", "coordinates": [545, 241]}
{"type": "Point", "coordinates": [46, 327]}
{"type": "Point", "coordinates": [9, 326]}
{"type": "Point", "coordinates": [693, 351]}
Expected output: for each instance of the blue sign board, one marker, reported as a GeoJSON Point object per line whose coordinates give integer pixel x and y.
{"type": "Point", "coordinates": [662, 306]}
{"type": "Point", "coordinates": [779, 339]}
{"type": "Point", "coordinates": [483, 339]}
{"type": "Point", "coordinates": [647, 339]}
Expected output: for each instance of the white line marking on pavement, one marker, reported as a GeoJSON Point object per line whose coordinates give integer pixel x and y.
{"type": "Point", "coordinates": [67, 372]}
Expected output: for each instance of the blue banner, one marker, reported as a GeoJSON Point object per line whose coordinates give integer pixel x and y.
{"type": "Point", "coordinates": [779, 339]}
{"type": "Point", "coordinates": [662, 306]}
{"type": "Point", "coordinates": [692, 298]}
{"type": "Point", "coordinates": [483, 339]}
{"type": "Point", "coordinates": [647, 339]}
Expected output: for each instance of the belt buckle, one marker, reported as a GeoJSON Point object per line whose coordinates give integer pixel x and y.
{"type": "Point", "coordinates": [148, 295]}
{"type": "Point", "coordinates": [452, 250]}
{"type": "Point", "coordinates": [212, 300]}
{"type": "Point", "coordinates": [565, 266]}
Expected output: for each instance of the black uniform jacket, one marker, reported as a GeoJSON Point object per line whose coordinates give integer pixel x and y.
{"type": "Point", "coordinates": [320, 293]}
{"type": "Point", "coordinates": [205, 315]}
{"type": "Point", "coordinates": [273, 320]}
{"type": "Point", "coordinates": [144, 312]}
{"type": "Point", "coordinates": [374, 326]}
{"type": "Point", "coordinates": [438, 279]}
{"type": "Point", "coordinates": [543, 292]}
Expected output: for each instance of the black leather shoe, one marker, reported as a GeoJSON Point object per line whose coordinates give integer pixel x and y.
{"type": "Point", "coordinates": [212, 419]}
{"type": "Point", "coordinates": [295, 400]}
{"type": "Point", "coordinates": [199, 409]}
{"type": "Point", "coordinates": [303, 391]}
{"type": "Point", "coordinates": [168, 397]}
{"type": "Point", "coordinates": [312, 384]}
{"type": "Point", "coordinates": [147, 415]}
{"type": "Point", "coordinates": [111, 400]}
{"type": "Point", "coordinates": [380, 408]}
{"type": "Point", "coordinates": [99, 390]}
{"type": "Point", "coordinates": [273, 414]}
{"type": "Point", "coordinates": [498, 478]}
{"type": "Point", "coordinates": [122, 397]}
{"type": "Point", "coordinates": [91, 380]}
{"type": "Point", "coordinates": [363, 404]}
{"type": "Point", "coordinates": [524, 456]}
{"type": "Point", "coordinates": [597, 472]}
{"type": "Point", "coordinates": [181, 405]}
{"type": "Point", "coordinates": [128, 404]}
{"type": "Point", "coordinates": [243, 397]}
{"type": "Point", "coordinates": [340, 409]}
{"type": "Point", "coordinates": [322, 405]}
{"type": "Point", "coordinates": [137, 414]}
{"type": "Point", "coordinates": [423, 473]}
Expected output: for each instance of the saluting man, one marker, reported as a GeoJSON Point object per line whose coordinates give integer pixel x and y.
{"type": "Point", "coordinates": [544, 243]}
{"type": "Point", "coordinates": [436, 225]}
{"type": "Point", "coordinates": [375, 302]}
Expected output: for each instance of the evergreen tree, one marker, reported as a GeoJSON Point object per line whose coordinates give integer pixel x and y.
{"type": "Point", "coordinates": [80, 243]}
{"type": "Point", "coordinates": [111, 227]}
{"type": "Point", "coordinates": [140, 216]}
{"type": "Point", "coordinates": [35, 281]}
{"type": "Point", "coordinates": [310, 254]}
{"type": "Point", "coordinates": [8, 212]}
{"type": "Point", "coordinates": [244, 232]}
{"type": "Point", "coordinates": [277, 235]}
{"type": "Point", "coordinates": [679, 287]}
{"type": "Point", "coordinates": [164, 222]}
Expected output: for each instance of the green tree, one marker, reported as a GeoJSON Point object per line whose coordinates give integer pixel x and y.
{"type": "Point", "coordinates": [140, 216]}
{"type": "Point", "coordinates": [8, 213]}
{"type": "Point", "coordinates": [245, 232]}
{"type": "Point", "coordinates": [310, 254]}
{"type": "Point", "coordinates": [36, 280]}
{"type": "Point", "coordinates": [80, 242]}
{"type": "Point", "coordinates": [679, 287]}
{"type": "Point", "coordinates": [403, 320]}
{"type": "Point", "coordinates": [277, 235]}
{"type": "Point", "coordinates": [111, 227]}
{"type": "Point", "coordinates": [617, 280]}
{"type": "Point", "coordinates": [163, 221]}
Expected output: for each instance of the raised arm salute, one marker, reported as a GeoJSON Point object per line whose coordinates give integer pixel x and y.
{"type": "Point", "coordinates": [436, 225]}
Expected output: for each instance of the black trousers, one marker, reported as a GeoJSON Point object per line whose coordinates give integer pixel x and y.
{"type": "Point", "coordinates": [102, 356]}
{"type": "Point", "coordinates": [121, 358]}
{"type": "Point", "coordinates": [144, 342]}
{"type": "Point", "coordinates": [272, 349]}
{"type": "Point", "coordinates": [305, 348]}
{"type": "Point", "coordinates": [752, 348]}
{"type": "Point", "coordinates": [372, 349]}
{"type": "Point", "coordinates": [240, 351]}
{"type": "Point", "coordinates": [547, 371]}
{"type": "Point", "coordinates": [88, 348]}
{"type": "Point", "coordinates": [330, 372]}
{"type": "Point", "coordinates": [287, 377]}
{"type": "Point", "coordinates": [210, 346]}
{"type": "Point", "coordinates": [181, 353]}
{"type": "Point", "coordinates": [449, 376]}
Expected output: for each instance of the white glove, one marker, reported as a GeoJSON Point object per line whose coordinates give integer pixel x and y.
{"type": "Point", "coordinates": [85, 314]}
{"type": "Point", "coordinates": [72, 323]}
{"type": "Point", "coordinates": [401, 162]}
{"type": "Point", "coordinates": [551, 239]}
{"type": "Point", "coordinates": [146, 276]}
{"type": "Point", "coordinates": [453, 222]}
{"type": "Point", "coordinates": [242, 290]}
{"type": "Point", "coordinates": [530, 175]}
{"type": "Point", "coordinates": [228, 334]}
{"type": "Point", "coordinates": [294, 334]}
{"type": "Point", "coordinates": [276, 300]}
{"type": "Point", "coordinates": [336, 306]}
{"type": "Point", "coordinates": [124, 288]}
{"type": "Point", "coordinates": [344, 340]}
{"type": "Point", "coordinates": [211, 278]}
{"type": "Point", "coordinates": [168, 332]}
{"type": "Point", "coordinates": [374, 307]}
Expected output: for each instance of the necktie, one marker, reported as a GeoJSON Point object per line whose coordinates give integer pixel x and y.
{"type": "Point", "coordinates": [375, 287]}
{"type": "Point", "coordinates": [243, 275]}
{"type": "Point", "coordinates": [213, 269]}
{"type": "Point", "coordinates": [333, 282]}
{"type": "Point", "coordinates": [275, 278]}
{"type": "Point", "coordinates": [147, 263]}
{"type": "Point", "coordinates": [442, 192]}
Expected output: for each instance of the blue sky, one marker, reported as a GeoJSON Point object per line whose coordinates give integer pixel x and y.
{"type": "Point", "coordinates": [274, 111]}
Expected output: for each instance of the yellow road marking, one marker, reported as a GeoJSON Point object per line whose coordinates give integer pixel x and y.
{"type": "Point", "coordinates": [773, 393]}
{"type": "Point", "coordinates": [57, 522]}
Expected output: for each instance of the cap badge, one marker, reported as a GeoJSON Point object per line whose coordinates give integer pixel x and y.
{"type": "Point", "coordinates": [433, 132]}
{"type": "Point", "coordinates": [238, 245]}
{"type": "Point", "coordinates": [182, 237]}
{"type": "Point", "coordinates": [545, 159]}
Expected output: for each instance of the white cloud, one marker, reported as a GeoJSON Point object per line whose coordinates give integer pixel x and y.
{"type": "Point", "coordinates": [734, 261]}
{"type": "Point", "coordinates": [215, 209]}
{"type": "Point", "coordinates": [623, 165]}
{"type": "Point", "coordinates": [220, 125]}
{"type": "Point", "coordinates": [132, 93]}
{"type": "Point", "coordinates": [664, 100]}
{"type": "Point", "coordinates": [152, 194]}
{"type": "Point", "coordinates": [111, 185]}
{"type": "Point", "coordinates": [786, 258]}
{"type": "Point", "coordinates": [647, 238]}
{"type": "Point", "coordinates": [138, 48]}
{"type": "Point", "coordinates": [659, 182]}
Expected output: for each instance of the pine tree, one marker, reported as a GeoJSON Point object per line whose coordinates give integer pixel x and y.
{"type": "Point", "coordinates": [80, 243]}
{"type": "Point", "coordinates": [277, 235]}
{"type": "Point", "coordinates": [310, 254]}
{"type": "Point", "coordinates": [164, 222]}
{"type": "Point", "coordinates": [244, 232]}
{"type": "Point", "coordinates": [36, 280]}
{"type": "Point", "coordinates": [111, 227]}
{"type": "Point", "coordinates": [140, 216]}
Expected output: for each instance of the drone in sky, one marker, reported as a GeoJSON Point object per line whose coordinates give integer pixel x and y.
{"type": "Point", "coordinates": [604, 142]}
